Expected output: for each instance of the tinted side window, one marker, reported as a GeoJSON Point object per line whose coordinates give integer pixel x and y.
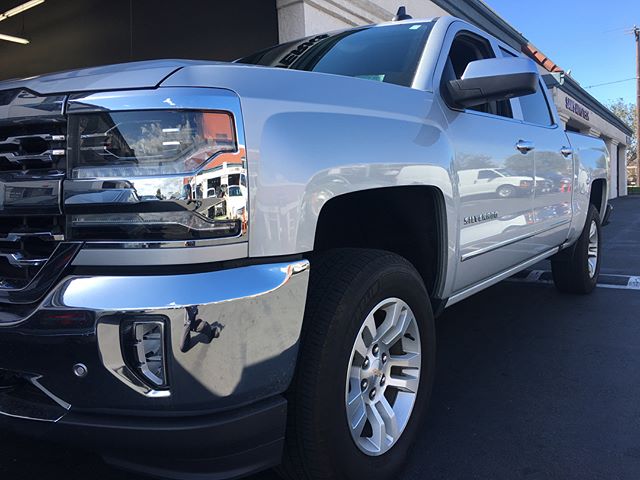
{"type": "Point", "coordinates": [487, 175]}
{"type": "Point", "coordinates": [535, 108]}
{"type": "Point", "coordinates": [465, 49]}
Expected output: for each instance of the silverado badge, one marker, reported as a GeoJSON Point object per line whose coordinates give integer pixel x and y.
{"type": "Point", "coordinates": [480, 218]}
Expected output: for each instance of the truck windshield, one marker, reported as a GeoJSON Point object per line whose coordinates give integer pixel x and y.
{"type": "Point", "coordinates": [386, 53]}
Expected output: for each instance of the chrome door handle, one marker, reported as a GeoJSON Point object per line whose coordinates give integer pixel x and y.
{"type": "Point", "coordinates": [566, 151]}
{"type": "Point", "coordinates": [525, 147]}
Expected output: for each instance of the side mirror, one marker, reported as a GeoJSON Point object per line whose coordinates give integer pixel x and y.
{"type": "Point", "coordinates": [494, 79]}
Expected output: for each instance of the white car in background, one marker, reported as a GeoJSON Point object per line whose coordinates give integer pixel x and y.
{"type": "Point", "coordinates": [502, 182]}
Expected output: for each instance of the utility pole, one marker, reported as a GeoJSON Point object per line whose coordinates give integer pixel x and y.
{"type": "Point", "coordinates": [636, 32]}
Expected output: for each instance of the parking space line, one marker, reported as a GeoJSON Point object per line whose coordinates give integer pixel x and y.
{"type": "Point", "coordinates": [620, 282]}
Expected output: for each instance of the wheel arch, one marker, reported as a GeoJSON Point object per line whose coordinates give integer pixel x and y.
{"type": "Point", "coordinates": [410, 221]}
{"type": "Point", "coordinates": [598, 194]}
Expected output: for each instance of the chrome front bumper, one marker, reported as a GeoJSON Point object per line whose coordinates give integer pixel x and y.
{"type": "Point", "coordinates": [256, 312]}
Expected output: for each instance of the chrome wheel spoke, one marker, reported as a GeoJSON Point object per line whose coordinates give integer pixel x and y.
{"type": "Point", "coordinates": [383, 377]}
{"type": "Point", "coordinates": [370, 330]}
{"type": "Point", "coordinates": [378, 431]}
{"type": "Point", "coordinates": [360, 347]}
{"type": "Point", "coordinates": [408, 360]}
{"type": "Point", "coordinates": [404, 383]}
{"type": "Point", "coordinates": [401, 319]}
{"type": "Point", "coordinates": [389, 418]}
{"type": "Point", "coordinates": [357, 414]}
{"type": "Point", "coordinates": [592, 249]}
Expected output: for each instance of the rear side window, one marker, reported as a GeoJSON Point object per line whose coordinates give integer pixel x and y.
{"type": "Point", "coordinates": [385, 53]}
{"type": "Point", "coordinates": [535, 108]}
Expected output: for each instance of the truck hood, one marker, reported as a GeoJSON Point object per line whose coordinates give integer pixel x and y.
{"type": "Point", "coordinates": [147, 74]}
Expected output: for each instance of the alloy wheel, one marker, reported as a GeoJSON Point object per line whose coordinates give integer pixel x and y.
{"type": "Point", "coordinates": [592, 257]}
{"type": "Point", "coordinates": [383, 377]}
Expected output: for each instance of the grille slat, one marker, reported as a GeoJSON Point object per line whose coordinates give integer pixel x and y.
{"type": "Point", "coordinates": [33, 134]}
{"type": "Point", "coordinates": [26, 152]}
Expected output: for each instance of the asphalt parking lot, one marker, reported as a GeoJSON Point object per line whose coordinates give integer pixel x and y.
{"type": "Point", "coordinates": [531, 384]}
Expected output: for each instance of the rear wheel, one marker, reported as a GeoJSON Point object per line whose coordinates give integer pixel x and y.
{"type": "Point", "coordinates": [366, 368]}
{"type": "Point", "coordinates": [577, 269]}
{"type": "Point", "coordinates": [506, 191]}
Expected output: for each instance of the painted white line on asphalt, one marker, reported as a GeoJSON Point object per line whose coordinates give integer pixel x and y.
{"type": "Point", "coordinates": [535, 276]}
{"type": "Point", "coordinates": [634, 282]}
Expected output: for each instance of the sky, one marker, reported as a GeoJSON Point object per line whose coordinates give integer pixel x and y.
{"type": "Point", "coordinates": [587, 36]}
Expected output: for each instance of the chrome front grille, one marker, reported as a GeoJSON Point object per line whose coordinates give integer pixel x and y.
{"type": "Point", "coordinates": [33, 150]}
{"type": "Point", "coordinates": [33, 131]}
{"type": "Point", "coordinates": [26, 244]}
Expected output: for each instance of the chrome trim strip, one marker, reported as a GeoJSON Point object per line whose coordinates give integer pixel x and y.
{"type": "Point", "coordinates": [22, 417]}
{"type": "Point", "coordinates": [207, 242]}
{"type": "Point", "coordinates": [14, 237]}
{"type": "Point", "coordinates": [157, 292]}
{"type": "Point", "coordinates": [36, 383]}
{"type": "Point", "coordinates": [17, 259]}
{"type": "Point", "coordinates": [124, 255]}
{"type": "Point", "coordinates": [499, 277]}
{"type": "Point", "coordinates": [491, 248]}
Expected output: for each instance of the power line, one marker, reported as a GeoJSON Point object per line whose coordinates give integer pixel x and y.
{"type": "Point", "coordinates": [611, 83]}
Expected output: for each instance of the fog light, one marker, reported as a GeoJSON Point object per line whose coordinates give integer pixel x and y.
{"type": "Point", "coordinates": [149, 351]}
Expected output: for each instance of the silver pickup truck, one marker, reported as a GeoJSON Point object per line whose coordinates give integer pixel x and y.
{"type": "Point", "coordinates": [209, 269]}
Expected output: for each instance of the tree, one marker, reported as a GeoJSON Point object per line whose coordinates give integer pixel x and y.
{"type": "Point", "coordinates": [627, 113]}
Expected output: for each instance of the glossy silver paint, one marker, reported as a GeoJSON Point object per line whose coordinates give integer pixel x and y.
{"type": "Point", "coordinates": [387, 135]}
{"type": "Point", "coordinates": [412, 136]}
{"type": "Point", "coordinates": [147, 74]}
{"type": "Point", "coordinates": [390, 135]}
{"type": "Point", "coordinates": [500, 66]}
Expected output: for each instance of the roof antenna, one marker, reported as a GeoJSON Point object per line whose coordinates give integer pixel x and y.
{"type": "Point", "coordinates": [402, 15]}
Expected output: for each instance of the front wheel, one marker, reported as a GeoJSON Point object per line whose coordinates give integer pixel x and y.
{"type": "Point", "coordinates": [577, 269]}
{"type": "Point", "coordinates": [366, 368]}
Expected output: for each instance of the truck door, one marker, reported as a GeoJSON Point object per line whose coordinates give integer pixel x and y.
{"type": "Point", "coordinates": [553, 162]}
{"type": "Point", "coordinates": [494, 223]}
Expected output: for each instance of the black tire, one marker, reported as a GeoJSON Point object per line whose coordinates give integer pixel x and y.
{"type": "Point", "coordinates": [506, 191]}
{"type": "Point", "coordinates": [570, 268]}
{"type": "Point", "coordinates": [345, 285]}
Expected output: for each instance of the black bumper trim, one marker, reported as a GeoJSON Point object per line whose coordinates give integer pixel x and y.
{"type": "Point", "coordinates": [221, 446]}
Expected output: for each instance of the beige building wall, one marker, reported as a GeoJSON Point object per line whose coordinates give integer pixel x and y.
{"type": "Point", "coordinates": [300, 18]}
{"type": "Point", "coordinates": [596, 126]}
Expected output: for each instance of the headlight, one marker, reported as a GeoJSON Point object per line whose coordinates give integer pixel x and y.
{"type": "Point", "coordinates": [143, 175]}
{"type": "Point", "coordinates": [147, 143]}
